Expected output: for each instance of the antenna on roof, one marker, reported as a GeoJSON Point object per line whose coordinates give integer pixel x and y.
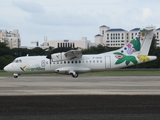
{"type": "Point", "coordinates": [45, 38]}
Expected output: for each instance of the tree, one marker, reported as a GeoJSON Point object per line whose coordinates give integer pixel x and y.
{"type": "Point", "coordinates": [3, 45]}
{"type": "Point", "coordinates": [17, 52]}
{"type": "Point", "coordinates": [153, 46]}
{"type": "Point", "coordinates": [4, 50]}
{"type": "Point", "coordinates": [37, 51]}
{"type": "Point", "coordinates": [98, 49]}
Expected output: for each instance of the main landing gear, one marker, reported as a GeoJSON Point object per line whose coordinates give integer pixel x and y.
{"type": "Point", "coordinates": [73, 73]}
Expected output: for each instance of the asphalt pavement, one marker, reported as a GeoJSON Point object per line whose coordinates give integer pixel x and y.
{"type": "Point", "coordinates": [79, 107]}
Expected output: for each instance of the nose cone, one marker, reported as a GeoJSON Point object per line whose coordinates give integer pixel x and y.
{"type": "Point", "coordinates": [6, 68]}
{"type": "Point", "coordinates": [10, 68]}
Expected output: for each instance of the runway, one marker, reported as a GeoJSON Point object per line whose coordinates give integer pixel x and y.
{"type": "Point", "coordinates": [80, 107]}
{"type": "Point", "coordinates": [87, 97]}
{"type": "Point", "coordinates": [83, 85]}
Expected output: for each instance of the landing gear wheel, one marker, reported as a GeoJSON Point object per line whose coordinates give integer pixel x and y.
{"type": "Point", "coordinates": [15, 76]}
{"type": "Point", "coordinates": [74, 75]}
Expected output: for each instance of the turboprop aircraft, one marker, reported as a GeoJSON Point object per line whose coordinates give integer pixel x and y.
{"type": "Point", "coordinates": [74, 63]}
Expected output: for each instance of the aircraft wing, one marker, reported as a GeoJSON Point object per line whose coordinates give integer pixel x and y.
{"type": "Point", "coordinates": [73, 54]}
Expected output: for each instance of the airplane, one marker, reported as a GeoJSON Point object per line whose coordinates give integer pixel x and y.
{"type": "Point", "coordinates": [73, 62]}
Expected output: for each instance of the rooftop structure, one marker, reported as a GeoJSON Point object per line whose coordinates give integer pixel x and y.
{"type": "Point", "coordinates": [83, 43]}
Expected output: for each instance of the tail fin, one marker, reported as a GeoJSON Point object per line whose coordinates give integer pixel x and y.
{"type": "Point", "coordinates": [140, 45]}
{"type": "Point", "coordinates": [134, 52]}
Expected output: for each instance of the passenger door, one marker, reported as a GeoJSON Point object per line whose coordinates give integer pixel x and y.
{"type": "Point", "coordinates": [108, 62]}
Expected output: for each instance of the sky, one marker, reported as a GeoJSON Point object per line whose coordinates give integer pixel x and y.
{"type": "Point", "coordinates": [74, 19]}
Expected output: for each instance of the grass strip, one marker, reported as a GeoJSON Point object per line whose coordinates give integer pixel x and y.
{"type": "Point", "coordinates": [104, 73]}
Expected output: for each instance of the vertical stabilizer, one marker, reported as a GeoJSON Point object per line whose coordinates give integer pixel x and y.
{"type": "Point", "coordinates": [140, 45]}
{"type": "Point", "coordinates": [149, 33]}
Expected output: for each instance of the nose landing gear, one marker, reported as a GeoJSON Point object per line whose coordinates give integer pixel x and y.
{"type": "Point", "coordinates": [15, 75]}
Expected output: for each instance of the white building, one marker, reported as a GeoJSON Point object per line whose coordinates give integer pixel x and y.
{"type": "Point", "coordinates": [34, 43]}
{"type": "Point", "coordinates": [119, 37]}
{"type": "Point", "coordinates": [112, 37]}
{"type": "Point", "coordinates": [11, 38]}
{"type": "Point", "coordinates": [83, 43]}
{"type": "Point", "coordinates": [157, 33]}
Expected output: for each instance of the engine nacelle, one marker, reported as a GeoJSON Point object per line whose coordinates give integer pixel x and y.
{"type": "Point", "coordinates": [71, 54]}
{"type": "Point", "coordinates": [60, 57]}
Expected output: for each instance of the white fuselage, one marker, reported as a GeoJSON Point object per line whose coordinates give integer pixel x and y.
{"type": "Point", "coordinates": [36, 64]}
{"type": "Point", "coordinates": [87, 63]}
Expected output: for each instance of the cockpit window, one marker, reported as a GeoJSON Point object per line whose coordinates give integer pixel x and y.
{"type": "Point", "coordinates": [17, 61]}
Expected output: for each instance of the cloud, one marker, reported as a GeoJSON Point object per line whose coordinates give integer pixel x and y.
{"type": "Point", "coordinates": [62, 19]}
{"type": "Point", "coordinates": [146, 13]}
{"type": "Point", "coordinates": [31, 7]}
{"type": "Point", "coordinates": [56, 13]}
{"type": "Point", "coordinates": [4, 24]}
